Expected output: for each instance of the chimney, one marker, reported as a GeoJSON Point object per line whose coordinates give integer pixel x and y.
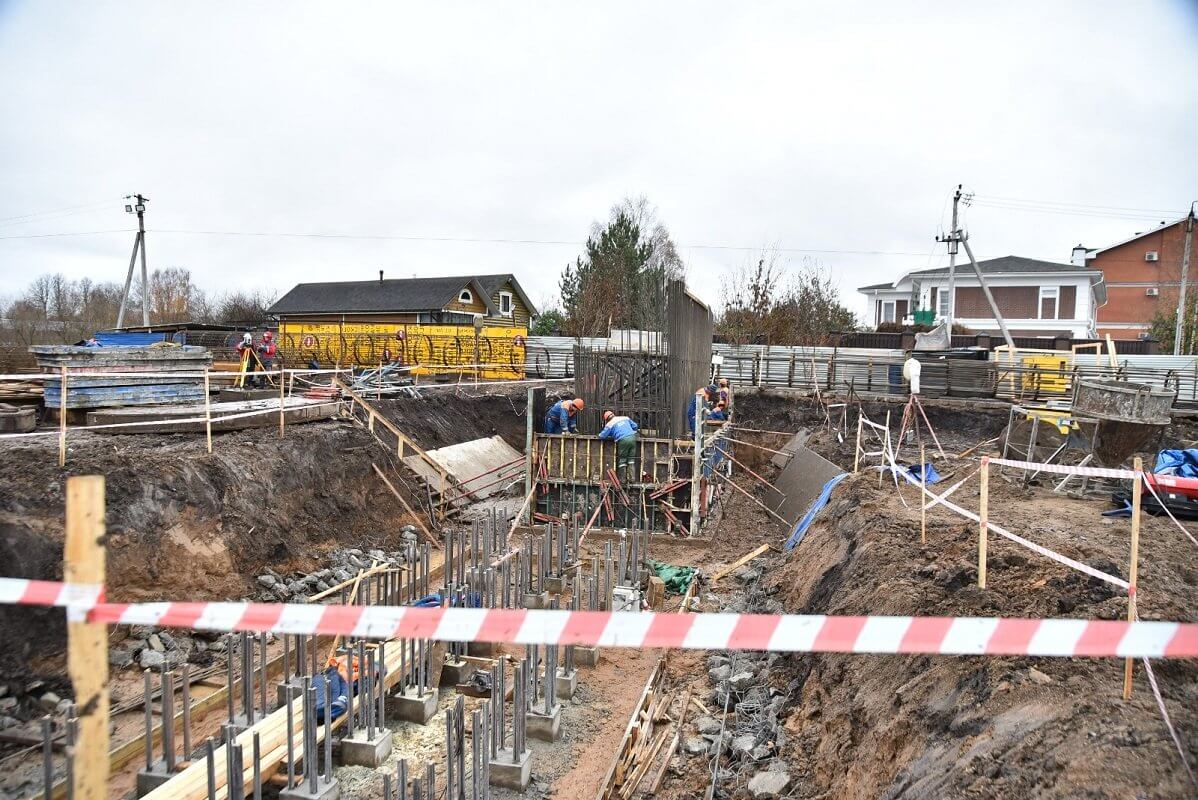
{"type": "Point", "coordinates": [380, 276]}
{"type": "Point", "coordinates": [1079, 256]}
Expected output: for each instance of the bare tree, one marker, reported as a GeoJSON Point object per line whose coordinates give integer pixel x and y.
{"type": "Point", "coordinates": [759, 310]}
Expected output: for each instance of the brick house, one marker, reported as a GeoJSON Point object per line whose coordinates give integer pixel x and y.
{"type": "Point", "coordinates": [1142, 275]}
{"type": "Point", "coordinates": [1036, 298]}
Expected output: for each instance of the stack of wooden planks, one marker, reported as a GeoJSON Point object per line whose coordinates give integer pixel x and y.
{"type": "Point", "coordinates": [645, 739]}
{"type": "Point", "coordinates": [20, 390]}
{"type": "Point", "coordinates": [123, 387]}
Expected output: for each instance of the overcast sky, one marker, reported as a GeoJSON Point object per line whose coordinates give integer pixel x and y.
{"type": "Point", "coordinates": [803, 126]}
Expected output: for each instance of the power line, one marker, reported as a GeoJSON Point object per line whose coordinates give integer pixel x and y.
{"type": "Point", "coordinates": [58, 213]}
{"type": "Point", "coordinates": [1045, 210]}
{"type": "Point", "coordinates": [1075, 205]}
{"type": "Point", "coordinates": [68, 233]}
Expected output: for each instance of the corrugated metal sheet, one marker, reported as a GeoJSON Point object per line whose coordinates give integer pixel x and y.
{"type": "Point", "coordinates": [129, 338]}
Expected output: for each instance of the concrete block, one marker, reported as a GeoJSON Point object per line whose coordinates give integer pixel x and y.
{"type": "Point", "coordinates": [625, 598]}
{"type": "Point", "coordinates": [362, 752]}
{"type": "Point", "coordinates": [412, 706]}
{"type": "Point", "coordinates": [455, 672]}
{"type": "Point", "coordinates": [481, 649]}
{"type": "Point", "coordinates": [536, 600]}
{"type": "Point", "coordinates": [555, 585]}
{"type": "Point", "coordinates": [545, 727]}
{"type": "Point", "coordinates": [281, 690]}
{"type": "Point", "coordinates": [508, 772]}
{"type": "Point", "coordinates": [567, 683]}
{"type": "Point", "coordinates": [149, 781]}
{"type": "Point", "coordinates": [325, 790]}
{"type": "Point", "coordinates": [586, 656]}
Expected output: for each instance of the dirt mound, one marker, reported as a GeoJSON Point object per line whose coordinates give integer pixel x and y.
{"type": "Point", "coordinates": [186, 524]}
{"type": "Point", "coordinates": [918, 726]}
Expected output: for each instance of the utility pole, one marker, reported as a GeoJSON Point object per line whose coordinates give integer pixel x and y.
{"type": "Point", "coordinates": [139, 244]}
{"type": "Point", "coordinates": [953, 238]}
{"type": "Point", "coordinates": [1179, 329]}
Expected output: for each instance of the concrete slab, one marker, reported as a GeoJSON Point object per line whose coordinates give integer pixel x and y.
{"type": "Point", "coordinates": [801, 482]}
{"type": "Point", "coordinates": [511, 772]}
{"type": "Point", "coordinates": [149, 781]}
{"type": "Point", "coordinates": [469, 460]}
{"type": "Point", "coordinates": [545, 727]}
{"type": "Point", "coordinates": [325, 790]}
{"type": "Point", "coordinates": [362, 752]}
{"type": "Point", "coordinates": [455, 672]}
{"type": "Point", "coordinates": [296, 410]}
{"type": "Point", "coordinates": [538, 600]}
{"type": "Point", "coordinates": [413, 707]}
{"type": "Point", "coordinates": [235, 395]}
{"type": "Point", "coordinates": [586, 656]}
{"type": "Point", "coordinates": [794, 443]}
{"type": "Point", "coordinates": [567, 683]}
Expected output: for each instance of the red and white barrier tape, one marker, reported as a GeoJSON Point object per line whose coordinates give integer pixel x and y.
{"type": "Point", "coordinates": [1061, 469]}
{"type": "Point", "coordinates": [779, 633]}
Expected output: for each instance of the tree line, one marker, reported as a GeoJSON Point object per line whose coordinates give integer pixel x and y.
{"type": "Point", "coordinates": [618, 283]}
{"type": "Point", "coordinates": [57, 309]}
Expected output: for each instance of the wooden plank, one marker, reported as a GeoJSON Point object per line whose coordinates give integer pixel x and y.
{"type": "Point", "coordinates": [87, 643]}
{"type": "Point", "coordinates": [423, 529]}
{"type": "Point", "coordinates": [740, 562]}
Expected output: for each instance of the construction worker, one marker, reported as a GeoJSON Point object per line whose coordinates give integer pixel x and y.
{"type": "Point", "coordinates": [267, 351]}
{"type": "Point", "coordinates": [622, 431]}
{"type": "Point", "coordinates": [245, 354]}
{"type": "Point", "coordinates": [560, 418]}
{"type": "Point", "coordinates": [700, 403]}
{"type": "Point", "coordinates": [725, 397]}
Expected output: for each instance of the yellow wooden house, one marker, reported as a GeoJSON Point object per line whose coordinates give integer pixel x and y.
{"type": "Point", "coordinates": [432, 325]}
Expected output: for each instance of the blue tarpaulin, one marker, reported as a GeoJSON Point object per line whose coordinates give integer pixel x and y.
{"type": "Point", "coordinates": [928, 470]}
{"type": "Point", "coordinates": [1182, 463]}
{"type": "Point", "coordinates": [800, 530]}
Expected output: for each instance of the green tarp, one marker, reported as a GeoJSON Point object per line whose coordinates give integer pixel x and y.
{"type": "Point", "coordinates": [675, 578]}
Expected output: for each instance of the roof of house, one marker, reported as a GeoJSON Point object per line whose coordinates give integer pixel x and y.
{"type": "Point", "coordinates": [1006, 265]}
{"type": "Point", "coordinates": [1164, 225]}
{"type": "Point", "coordinates": [400, 295]}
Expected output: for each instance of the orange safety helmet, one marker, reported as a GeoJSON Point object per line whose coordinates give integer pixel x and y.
{"type": "Point", "coordinates": [578, 403]}
{"type": "Point", "coordinates": [607, 415]}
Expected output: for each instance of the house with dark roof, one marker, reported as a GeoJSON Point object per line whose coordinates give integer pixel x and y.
{"type": "Point", "coordinates": [434, 326]}
{"type": "Point", "coordinates": [456, 300]}
{"type": "Point", "coordinates": [1036, 298]}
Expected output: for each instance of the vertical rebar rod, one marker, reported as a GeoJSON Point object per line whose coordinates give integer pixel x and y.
{"type": "Point", "coordinates": [72, 736]}
{"type": "Point", "coordinates": [328, 728]}
{"type": "Point", "coordinates": [210, 757]}
{"type": "Point", "coordinates": [460, 736]}
{"type": "Point", "coordinates": [518, 711]}
{"type": "Point", "coordinates": [349, 694]}
{"type": "Point", "coordinates": [257, 767]}
{"type": "Point", "coordinates": [47, 756]}
{"type": "Point", "coordinates": [450, 761]}
{"type": "Point", "coordinates": [289, 691]}
{"type": "Point", "coordinates": [247, 677]}
{"type": "Point", "coordinates": [262, 673]}
{"type": "Point", "coordinates": [185, 699]}
{"type": "Point", "coordinates": [148, 689]}
{"type": "Point", "coordinates": [381, 695]}
{"type": "Point", "coordinates": [368, 703]}
{"type": "Point", "coordinates": [301, 643]}
{"type": "Point", "coordinates": [311, 757]}
{"type": "Point", "coordinates": [168, 720]}
{"type": "Point", "coordinates": [401, 779]}
{"type": "Point", "coordinates": [430, 781]}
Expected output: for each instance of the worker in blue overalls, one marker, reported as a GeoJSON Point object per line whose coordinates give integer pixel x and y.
{"type": "Point", "coordinates": [561, 416]}
{"type": "Point", "coordinates": [707, 396]}
{"type": "Point", "coordinates": [622, 431]}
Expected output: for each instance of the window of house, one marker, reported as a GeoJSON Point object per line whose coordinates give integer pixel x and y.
{"type": "Point", "coordinates": [1049, 300]}
{"type": "Point", "coordinates": [942, 303]}
{"type": "Point", "coordinates": [505, 304]}
{"type": "Point", "coordinates": [887, 311]}
{"type": "Point", "coordinates": [466, 296]}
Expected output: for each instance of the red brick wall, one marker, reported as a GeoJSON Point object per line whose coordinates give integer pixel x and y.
{"type": "Point", "coordinates": [1016, 302]}
{"type": "Point", "coordinates": [1126, 264]}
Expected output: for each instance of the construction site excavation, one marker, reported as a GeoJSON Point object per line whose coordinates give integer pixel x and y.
{"type": "Point", "coordinates": [629, 569]}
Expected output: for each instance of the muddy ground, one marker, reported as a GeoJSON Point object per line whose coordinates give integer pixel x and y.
{"type": "Point", "coordinates": [862, 726]}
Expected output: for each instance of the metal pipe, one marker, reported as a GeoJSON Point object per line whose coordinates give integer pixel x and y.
{"type": "Point", "coordinates": [290, 693]}
{"type": "Point", "coordinates": [328, 729]}
{"type": "Point", "coordinates": [257, 768]}
{"type": "Point", "coordinates": [168, 720]}
{"type": "Point", "coordinates": [311, 758]}
{"type": "Point", "coordinates": [185, 681]}
{"type": "Point", "coordinates": [210, 756]}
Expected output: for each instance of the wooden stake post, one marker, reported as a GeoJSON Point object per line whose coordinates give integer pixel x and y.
{"type": "Point", "coordinates": [207, 412]}
{"type": "Point", "coordinates": [923, 497]}
{"type": "Point", "coordinates": [1134, 568]}
{"type": "Point", "coordinates": [983, 521]}
{"type": "Point", "coordinates": [87, 643]}
{"type": "Point", "coordinates": [62, 420]}
{"type": "Point", "coordinates": [857, 452]}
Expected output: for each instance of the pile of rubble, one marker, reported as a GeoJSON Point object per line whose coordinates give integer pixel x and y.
{"type": "Point", "coordinates": [343, 566]}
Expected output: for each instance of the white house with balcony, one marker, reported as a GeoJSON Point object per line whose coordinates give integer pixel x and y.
{"type": "Point", "coordinates": [1035, 298]}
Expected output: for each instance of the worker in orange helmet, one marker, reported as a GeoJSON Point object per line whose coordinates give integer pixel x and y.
{"type": "Point", "coordinates": [562, 416]}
